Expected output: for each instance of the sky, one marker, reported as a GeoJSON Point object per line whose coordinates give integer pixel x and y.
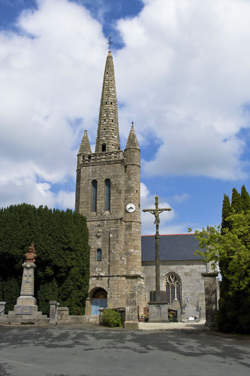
{"type": "Point", "coordinates": [182, 76]}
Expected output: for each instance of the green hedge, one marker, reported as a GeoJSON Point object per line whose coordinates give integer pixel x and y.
{"type": "Point", "coordinates": [61, 243]}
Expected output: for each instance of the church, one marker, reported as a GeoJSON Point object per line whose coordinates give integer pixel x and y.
{"type": "Point", "coordinates": [122, 261]}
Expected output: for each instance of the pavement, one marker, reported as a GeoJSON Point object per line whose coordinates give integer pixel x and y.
{"type": "Point", "coordinates": [98, 351]}
{"type": "Point", "coordinates": [190, 325]}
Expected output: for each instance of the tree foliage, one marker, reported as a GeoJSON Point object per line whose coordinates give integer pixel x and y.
{"type": "Point", "coordinates": [228, 246]}
{"type": "Point", "coordinates": [61, 242]}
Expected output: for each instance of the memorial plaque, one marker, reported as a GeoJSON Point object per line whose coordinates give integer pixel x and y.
{"type": "Point", "coordinates": [23, 310]}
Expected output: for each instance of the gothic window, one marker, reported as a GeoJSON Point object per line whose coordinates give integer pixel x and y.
{"type": "Point", "coordinates": [107, 194]}
{"type": "Point", "coordinates": [173, 288]}
{"type": "Point", "coordinates": [99, 254]}
{"type": "Point", "coordinates": [94, 196]}
{"type": "Point", "coordinates": [103, 147]}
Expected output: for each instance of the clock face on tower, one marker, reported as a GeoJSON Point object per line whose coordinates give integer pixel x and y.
{"type": "Point", "coordinates": [130, 208]}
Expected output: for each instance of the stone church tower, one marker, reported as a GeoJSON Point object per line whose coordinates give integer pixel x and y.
{"type": "Point", "coordinates": [108, 195]}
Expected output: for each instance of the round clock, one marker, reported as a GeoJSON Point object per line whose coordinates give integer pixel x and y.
{"type": "Point", "coordinates": [130, 208]}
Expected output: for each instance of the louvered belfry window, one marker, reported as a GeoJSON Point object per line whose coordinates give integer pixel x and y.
{"type": "Point", "coordinates": [94, 196]}
{"type": "Point", "coordinates": [107, 194]}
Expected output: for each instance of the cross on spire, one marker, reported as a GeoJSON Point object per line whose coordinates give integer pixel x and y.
{"type": "Point", "coordinates": [109, 42]}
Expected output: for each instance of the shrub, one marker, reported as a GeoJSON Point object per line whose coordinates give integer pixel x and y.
{"type": "Point", "coordinates": [111, 318]}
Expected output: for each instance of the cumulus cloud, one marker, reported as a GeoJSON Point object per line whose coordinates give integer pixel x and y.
{"type": "Point", "coordinates": [183, 75]}
{"type": "Point", "coordinates": [148, 202]}
{"type": "Point", "coordinates": [181, 197]}
{"type": "Point", "coordinates": [50, 74]}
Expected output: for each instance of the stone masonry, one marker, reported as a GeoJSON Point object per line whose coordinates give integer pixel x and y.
{"type": "Point", "coordinates": [114, 231]}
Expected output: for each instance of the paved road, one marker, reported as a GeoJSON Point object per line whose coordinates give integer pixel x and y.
{"type": "Point", "coordinates": [27, 351]}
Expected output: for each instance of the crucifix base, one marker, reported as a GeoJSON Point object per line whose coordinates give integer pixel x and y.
{"type": "Point", "coordinates": [158, 307]}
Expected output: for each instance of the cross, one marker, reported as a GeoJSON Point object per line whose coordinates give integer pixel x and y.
{"type": "Point", "coordinates": [156, 212]}
{"type": "Point", "coordinates": [109, 42]}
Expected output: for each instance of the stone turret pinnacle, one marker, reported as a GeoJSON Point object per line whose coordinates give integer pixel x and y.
{"type": "Point", "coordinates": [108, 129]}
{"type": "Point", "coordinates": [85, 146]}
{"type": "Point", "coordinates": [132, 142]}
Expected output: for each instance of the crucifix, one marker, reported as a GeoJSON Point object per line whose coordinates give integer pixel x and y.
{"type": "Point", "coordinates": [156, 212]}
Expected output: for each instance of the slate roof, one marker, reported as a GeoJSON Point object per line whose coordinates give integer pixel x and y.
{"type": "Point", "coordinates": [172, 247]}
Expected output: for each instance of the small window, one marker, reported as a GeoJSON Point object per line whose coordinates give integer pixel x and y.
{"type": "Point", "coordinates": [103, 147]}
{"type": "Point", "coordinates": [107, 194]}
{"type": "Point", "coordinates": [99, 254]}
{"type": "Point", "coordinates": [110, 102]}
{"type": "Point", "coordinates": [94, 196]}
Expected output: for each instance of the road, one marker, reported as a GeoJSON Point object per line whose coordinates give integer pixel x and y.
{"type": "Point", "coordinates": [30, 351]}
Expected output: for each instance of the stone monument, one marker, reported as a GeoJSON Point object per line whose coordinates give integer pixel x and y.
{"type": "Point", "coordinates": [158, 305]}
{"type": "Point", "coordinates": [26, 308]}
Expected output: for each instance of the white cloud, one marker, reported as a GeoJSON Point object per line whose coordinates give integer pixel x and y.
{"type": "Point", "coordinates": [181, 198]}
{"type": "Point", "coordinates": [50, 75]}
{"type": "Point", "coordinates": [66, 200]}
{"type": "Point", "coordinates": [184, 76]}
{"type": "Point", "coordinates": [148, 202]}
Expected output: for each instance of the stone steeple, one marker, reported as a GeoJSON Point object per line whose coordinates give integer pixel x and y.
{"type": "Point", "coordinates": [85, 146]}
{"type": "Point", "coordinates": [108, 129]}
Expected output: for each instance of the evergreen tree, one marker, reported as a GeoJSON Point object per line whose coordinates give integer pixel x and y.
{"type": "Point", "coordinates": [245, 199]}
{"type": "Point", "coordinates": [61, 242]}
{"type": "Point", "coordinates": [229, 246]}
{"type": "Point", "coordinates": [236, 201]}
{"type": "Point", "coordinates": [226, 210]}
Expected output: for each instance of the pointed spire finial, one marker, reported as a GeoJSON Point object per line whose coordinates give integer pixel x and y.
{"type": "Point", "coordinates": [132, 139]}
{"type": "Point", "coordinates": [109, 43]}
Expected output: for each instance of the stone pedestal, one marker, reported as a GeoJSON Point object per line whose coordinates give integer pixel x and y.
{"type": "Point", "coordinates": [158, 312]}
{"type": "Point", "coordinates": [210, 286]}
{"type": "Point", "coordinates": [2, 308]}
{"type": "Point", "coordinates": [53, 310]}
{"type": "Point", "coordinates": [158, 307]}
{"type": "Point", "coordinates": [26, 310]}
{"type": "Point", "coordinates": [26, 303]}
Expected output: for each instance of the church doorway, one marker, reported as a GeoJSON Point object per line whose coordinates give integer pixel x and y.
{"type": "Point", "coordinates": [98, 298]}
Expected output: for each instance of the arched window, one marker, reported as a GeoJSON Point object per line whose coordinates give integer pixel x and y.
{"type": "Point", "coordinates": [107, 194]}
{"type": "Point", "coordinates": [94, 196]}
{"type": "Point", "coordinates": [99, 254]}
{"type": "Point", "coordinates": [103, 147]}
{"type": "Point", "coordinates": [173, 287]}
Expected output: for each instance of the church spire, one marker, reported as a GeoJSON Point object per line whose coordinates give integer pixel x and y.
{"type": "Point", "coordinates": [85, 146]}
{"type": "Point", "coordinates": [132, 142]}
{"type": "Point", "coordinates": [108, 129]}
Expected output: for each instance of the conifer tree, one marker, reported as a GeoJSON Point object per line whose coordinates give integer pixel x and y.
{"type": "Point", "coordinates": [229, 246]}
{"type": "Point", "coordinates": [226, 210]}
{"type": "Point", "coordinates": [236, 201]}
{"type": "Point", "coordinates": [245, 199]}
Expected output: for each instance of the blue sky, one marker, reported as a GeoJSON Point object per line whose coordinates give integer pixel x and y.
{"type": "Point", "coordinates": [182, 74]}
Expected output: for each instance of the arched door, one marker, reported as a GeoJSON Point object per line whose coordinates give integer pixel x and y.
{"type": "Point", "coordinates": [98, 300]}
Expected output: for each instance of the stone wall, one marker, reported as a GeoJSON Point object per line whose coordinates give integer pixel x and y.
{"type": "Point", "coordinates": [193, 295]}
